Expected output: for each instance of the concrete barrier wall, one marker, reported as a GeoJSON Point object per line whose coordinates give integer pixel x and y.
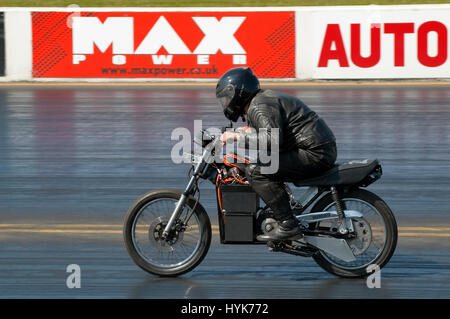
{"type": "Point", "coordinates": [192, 44]}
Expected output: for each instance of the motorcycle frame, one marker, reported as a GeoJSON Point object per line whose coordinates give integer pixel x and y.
{"type": "Point", "coordinates": [200, 171]}
{"type": "Point", "coordinates": [222, 224]}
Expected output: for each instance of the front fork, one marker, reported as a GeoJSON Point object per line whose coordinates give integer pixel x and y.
{"type": "Point", "coordinates": [176, 213]}
{"type": "Point", "coordinates": [190, 189]}
{"type": "Point", "coordinates": [180, 205]}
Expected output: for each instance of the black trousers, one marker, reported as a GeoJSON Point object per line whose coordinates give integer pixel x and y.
{"type": "Point", "coordinates": [294, 165]}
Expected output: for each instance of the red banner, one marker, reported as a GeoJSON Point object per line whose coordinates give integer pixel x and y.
{"type": "Point", "coordinates": [162, 44]}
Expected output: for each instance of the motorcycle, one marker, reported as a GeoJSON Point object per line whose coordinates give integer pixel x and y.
{"type": "Point", "coordinates": [346, 229]}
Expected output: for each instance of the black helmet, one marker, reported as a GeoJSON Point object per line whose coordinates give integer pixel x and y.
{"type": "Point", "coordinates": [235, 90]}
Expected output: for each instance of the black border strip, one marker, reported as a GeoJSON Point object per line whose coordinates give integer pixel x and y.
{"type": "Point", "coordinates": [276, 308]}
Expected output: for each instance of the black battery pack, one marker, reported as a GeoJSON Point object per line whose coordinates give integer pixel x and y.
{"type": "Point", "coordinates": [237, 218]}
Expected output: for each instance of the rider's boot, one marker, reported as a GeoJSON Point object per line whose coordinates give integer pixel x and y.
{"type": "Point", "coordinates": [287, 229]}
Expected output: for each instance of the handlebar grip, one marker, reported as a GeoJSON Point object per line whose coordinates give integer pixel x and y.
{"type": "Point", "coordinates": [223, 129]}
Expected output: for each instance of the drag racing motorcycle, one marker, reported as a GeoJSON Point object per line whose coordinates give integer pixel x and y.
{"type": "Point", "coordinates": [346, 229]}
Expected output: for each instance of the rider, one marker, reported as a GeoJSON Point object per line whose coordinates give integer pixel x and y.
{"type": "Point", "coordinates": [307, 146]}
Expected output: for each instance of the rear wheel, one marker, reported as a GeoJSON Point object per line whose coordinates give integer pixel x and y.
{"type": "Point", "coordinates": [182, 250]}
{"type": "Point", "coordinates": [375, 234]}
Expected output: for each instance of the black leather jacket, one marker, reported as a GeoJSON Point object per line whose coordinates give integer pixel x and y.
{"type": "Point", "coordinates": [299, 126]}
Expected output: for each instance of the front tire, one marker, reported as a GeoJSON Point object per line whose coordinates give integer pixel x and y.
{"type": "Point", "coordinates": [144, 223]}
{"type": "Point", "coordinates": [378, 222]}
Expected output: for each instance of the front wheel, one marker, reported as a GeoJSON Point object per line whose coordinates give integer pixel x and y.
{"type": "Point", "coordinates": [375, 234]}
{"type": "Point", "coordinates": [182, 250]}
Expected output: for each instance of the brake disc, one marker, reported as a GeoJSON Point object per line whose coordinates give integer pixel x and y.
{"type": "Point", "coordinates": [155, 232]}
{"type": "Point", "coordinates": [363, 237]}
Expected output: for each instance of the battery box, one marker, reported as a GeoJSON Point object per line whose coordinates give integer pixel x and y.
{"type": "Point", "coordinates": [237, 218]}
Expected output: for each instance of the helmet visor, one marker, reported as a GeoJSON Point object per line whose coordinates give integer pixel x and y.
{"type": "Point", "coordinates": [224, 101]}
{"type": "Point", "coordinates": [225, 96]}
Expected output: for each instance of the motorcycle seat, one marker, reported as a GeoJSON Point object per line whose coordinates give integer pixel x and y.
{"type": "Point", "coordinates": [350, 173]}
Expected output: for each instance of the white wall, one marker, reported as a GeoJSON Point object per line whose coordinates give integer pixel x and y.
{"type": "Point", "coordinates": [18, 46]}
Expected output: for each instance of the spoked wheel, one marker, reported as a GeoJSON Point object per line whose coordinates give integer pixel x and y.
{"type": "Point", "coordinates": [182, 250]}
{"type": "Point", "coordinates": [375, 234]}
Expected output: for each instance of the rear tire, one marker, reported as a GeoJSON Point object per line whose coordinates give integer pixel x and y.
{"type": "Point", "coordinates": [390, 229]}
{"type": "Point", "coordinates": [150, 242]}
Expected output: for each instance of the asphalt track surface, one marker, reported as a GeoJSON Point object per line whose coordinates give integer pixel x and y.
{"type": "Point", "coordinates": [74, 158]}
